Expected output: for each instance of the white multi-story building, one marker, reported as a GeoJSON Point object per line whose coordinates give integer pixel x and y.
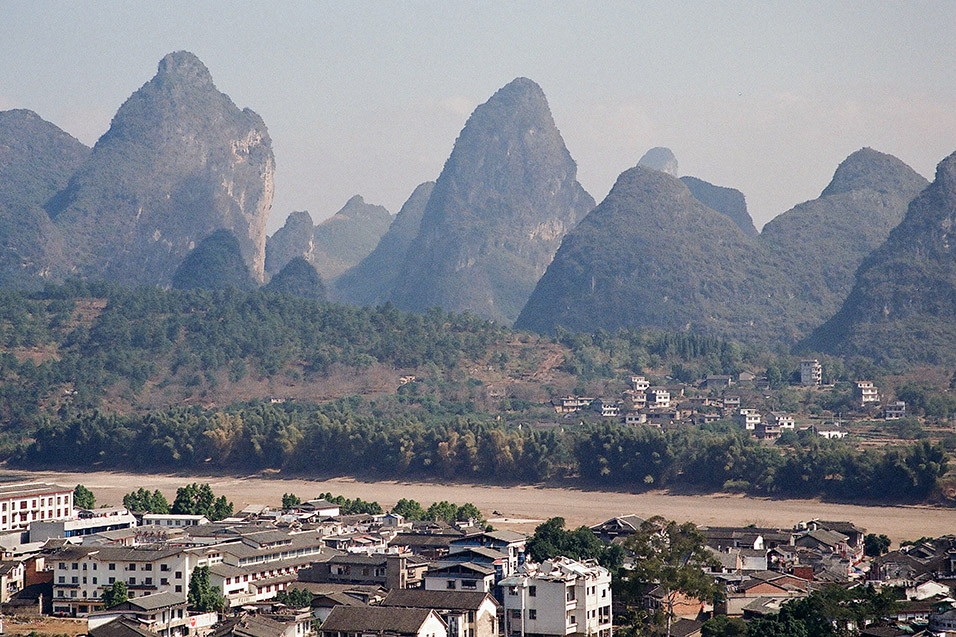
{"type": "Point", "coordinates": [867, 393]}
{"type": "Point", "coordinates": [658, 397]}
{"type": "Point", "coordinates": [748, 418]}
{"type": "Point", "coordinates": [81, 573]}
{"type": "Point", "coordinates": [261, 564]}
{"type": "Point", "coordinates": [26, 502]}
{"type": "Point", "coordinates": [556, 598]}
{"type": "Point", "coordinates": [640, 384]}
{"type": "Point", "coordinates": [811, 372]}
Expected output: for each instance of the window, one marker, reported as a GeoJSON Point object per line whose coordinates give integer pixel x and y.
{"type": "Point", "coordinates": [112, 579]}
{"type": "Point", "coordinates": [73, 580]}
{"type": "Point", "coordinates": [149, 581]}
{"type": "Point", "coordinates": [179, 575]}
{"type": "Point", "coordinates": [532, 591]}
{"type": "Point", "coordinates": [94, 581]}
{"type": "Point", "coordinates": [61, 580]}
{"type": "Point", "coordinates": [112, 567]}
{"type": "Point", "coordinates": [72, 593]}
{"type": "Point", "coordinates": [450, 584]}
{"type": "Point", "coordinates": [75, 566]}
{"type": "Point", "coordinates": [147, 567]}
{"type": "Point", "coordinates": [62, 566]}
{"type": "Point", "coordinates": [179, 589]}
{"type": "Point", "coordinates": [532, 613]}
{"type": "Point", "coordinates": [512, 590]}
{"type": "Point", "coordinates": [571, 597]}
{"type": "Point", "coordinates": [164, 581]}
{"type": "Point", "coordinates": [164, 568]}
{"type": "Point", "coordinates": [94, 566]}
{"type": "Point", "coordinates": [132, 581]}
{"type": "Point", "coordinates": [131, 567]}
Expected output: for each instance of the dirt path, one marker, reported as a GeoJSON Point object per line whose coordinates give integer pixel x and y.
{"type": "Point", "coordinates": [522, 507]}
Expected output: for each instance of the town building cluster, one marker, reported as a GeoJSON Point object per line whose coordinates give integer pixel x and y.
{"type": "Point", "coordinates": [721, 397]}
{"type": "Point", "coordinates": [383, 575]}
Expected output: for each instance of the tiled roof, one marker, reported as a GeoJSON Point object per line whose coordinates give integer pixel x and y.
{"type": "Point", "coordinates": [376, 619]}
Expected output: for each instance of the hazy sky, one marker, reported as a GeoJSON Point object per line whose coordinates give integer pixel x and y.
{"type": "Point", "coordinates": [368, 97]}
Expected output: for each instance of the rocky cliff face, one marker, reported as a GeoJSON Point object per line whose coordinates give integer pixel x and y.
{"type": "Point", "coordinates": [820, 243]}
{"type": "Point", "coordinates": [506, 196]}
{"type": "Point", "coordinates": [179, 161]}
{"type": "Point", "coordinates": [369, 282]}
{"type": "Point", "coordinates": [902, 308]}
{"type": "Point", "coordinates": [652, 255]}
{"type": "Point", "coordinates": [727, 201]}
{"type": "Point", "coordinates": [36, 160]}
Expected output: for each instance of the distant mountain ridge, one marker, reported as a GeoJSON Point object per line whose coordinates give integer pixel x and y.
{"type": "Point", "coordinates": [333, 246]}
{"type": "Point", "coordinates": [821, 243]}
{"type": "Point", "coordinates": [178, 162]}
{"type": "Point", "coordinates": [506, 196]}
{"type": "Point", "coordinates": [652, 255]}
{"type": "Point", "coordinates": [902, 308]}
{"type": "Point", "coordinates": [36, 160]}
{"type": "Point", "coordinates": [370, 281]}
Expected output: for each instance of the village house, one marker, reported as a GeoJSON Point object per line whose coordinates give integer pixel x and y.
{"type": "Point", "coordinates": [164, 614]}
{"type": "Point", "coordinates": [461, 576]}
{"type": "Point", "coordinates": [391, 570]}
{"type": "Point", "coordinates": [12, 574]}
{"type": "Point", "coordinates": [617, 529]}
{"type": "Point", "coordinates": [747, 418]}
{"type": "Point", "coordinates": [571, 404]}
{"type": "Point", "coordinates": [866, 393]}
{"type": "Point", "coordinates": [829, 430]}
{"type": "Point", "coordinates": [811, 372]}
{"type": "Point", "coordinates": [509, 542]}
{"type": "Point", "coordinates": [558, 597]}
{"type": "Point", "coordinates": [607, 408]}
{"type": "Point", "coordinates": [275, 623]}
{"type": "Point", "coordinates": [640, 384]}
{"type": "Point", "coordinates": [658, 398]}
{"type": "Point", "coordinates": [635, 418]}
{"type": "Point", "coordinates": [894, 410]}
{"type": "Point", "coordinates": [382, 621]}
{"type": "Point", "coordinates": [466, 614]}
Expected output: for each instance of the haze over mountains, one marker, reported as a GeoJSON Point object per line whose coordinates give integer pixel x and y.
{"type": "Point", "coordinates": [506, 197]}
{"type": "Point", "coordinates": [902, 307]}
{"type": "Point", "coordinates": [178, 162]}
{"type": "Point", "coordinates": [333, 246]}
{"type": "Point", "coordinates": [505, 232]}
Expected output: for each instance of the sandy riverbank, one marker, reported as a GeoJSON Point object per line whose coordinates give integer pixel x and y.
{"type": "Point", "coordinates": [524, 506]}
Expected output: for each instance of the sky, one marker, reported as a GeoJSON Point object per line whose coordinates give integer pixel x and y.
{"type": "Point", "coordinates": [368, 97]}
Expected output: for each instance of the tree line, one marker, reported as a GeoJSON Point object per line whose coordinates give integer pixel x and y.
{"type": "Point", "coordinates": [339, 439]}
